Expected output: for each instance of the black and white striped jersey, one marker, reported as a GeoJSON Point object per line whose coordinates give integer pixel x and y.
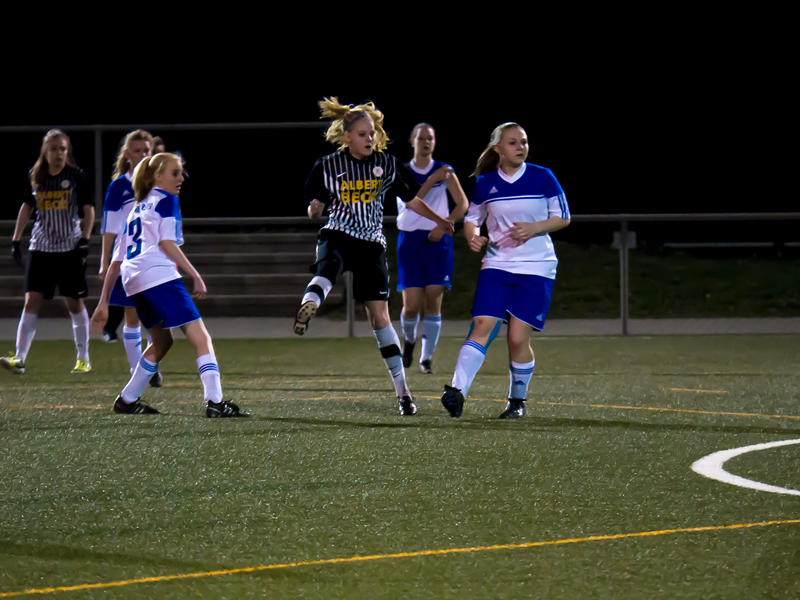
{"type": "Point", "coordinates": [59, 203]}
{"type": "Point", "coordinates": [354, 190]}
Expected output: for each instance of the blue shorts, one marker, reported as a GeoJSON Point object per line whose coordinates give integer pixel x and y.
{"type": "Point", "coordinates": [118, 295]}
{"type": "Point", "coordinates": [526, 297]}
{"type": "Point", "coordinates": [168, 303]}
{"type": "Point", "coordinates": [421, 263]}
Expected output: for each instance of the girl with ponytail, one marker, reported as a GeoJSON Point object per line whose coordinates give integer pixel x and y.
{"type": "Point", "coordinates": [351, 184]}
{"type": "Point", "coordinates": [521, 204]}
{"type": "Point", "coordinates": [148, 260]}
{"type": "Point", "coordinates": [119, 201]}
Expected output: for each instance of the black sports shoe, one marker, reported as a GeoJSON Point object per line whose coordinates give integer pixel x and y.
{"type": "Point", "coordinates": [156, 380]}
{"type": "Point", "coordinates": [110, 336]}
{"type": "Point", "coordinates": [425, 367]}
{"type": "Point", "coordinates": [408, 353]}
{"type": "Point", "coordinates": [305, 313]}
{"type": "Point", "coordinates": [133, 408]}
{"type": "Point", "coordinates": [406, 406]}
{"type": "Point", "coordinates": [453, 401]}
{"type": "Point", "coordinates": [216, 410]}
{"type": "Point", "coordinates": [514, 409]}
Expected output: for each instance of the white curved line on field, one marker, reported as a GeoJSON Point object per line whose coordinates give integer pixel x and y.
{"type": "Point", "coordinates": [711, 466]}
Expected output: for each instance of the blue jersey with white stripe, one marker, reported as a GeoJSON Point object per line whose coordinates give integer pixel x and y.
{"type": "Point", "coordinates": [436, 199]}
{"type": "Point", "coordinates": [118, 204]}
{"type": "Point", "coordinates": [531, 194]}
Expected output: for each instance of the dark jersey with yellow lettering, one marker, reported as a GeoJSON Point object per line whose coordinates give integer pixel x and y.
{"type": "Point", "coordinates": [59, 203]}
{"type": "Point", "coordinates": [353, 191]}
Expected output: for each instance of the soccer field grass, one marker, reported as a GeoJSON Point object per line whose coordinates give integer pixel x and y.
{"type": "Point", "coordinates": [326, 493]}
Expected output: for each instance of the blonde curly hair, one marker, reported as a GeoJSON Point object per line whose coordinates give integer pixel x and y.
{"type": "Point", "coordinates": [345, 115]}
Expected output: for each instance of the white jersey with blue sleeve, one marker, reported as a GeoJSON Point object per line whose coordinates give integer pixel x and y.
{"type": "Point", "coordinates": [436, 199]}
{"type": "Point", "coordinates": [118, 204]}
{"type": "Point", "coordinates": [144, 264]}
{"type": "Point", "coordinates": [531, 194]}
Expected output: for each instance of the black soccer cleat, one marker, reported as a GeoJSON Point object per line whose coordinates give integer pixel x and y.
{"type": "Point", "coordinates": [406, 406]}
{"type": "Point", "coordinates": [425, 367]}
{"type": "Point", "coordinates": [220, 410]}
{"type": "Point", "coordinates": [304, 315]}
{"type": "Point", "coordinates": [408, 353]}
{"type": "Point", "coordinates": [133, 408]}
{"type": "Point", "coordinates": [156, 380]}
{"type": "Point", "coordinates": [453, 401]}
{"type": "Point", "coordinates": [515, 409]}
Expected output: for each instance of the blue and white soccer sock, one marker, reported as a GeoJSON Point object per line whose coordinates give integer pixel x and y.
{"type": "Point", "coordinates": [519, 377]}
{"type": "Point", "coordinates": [80, 333]}
{"type": "Point", "coordinates": [142, 374]}
{"type": "Point", "coordinates": [430, 329]}
{"type": "Point", "coordinates": [470, 359]}
{"type": "Point", "coordinates": [389, 344]}
{"type": "Point", "coordinates": [209, 375]}
{"type": "Point", "coordinates": [317, 291]}
{"type": "Point", "coordinates": [409, 327]}
{"type": "Point", "coordinates": [132, 341]}
{"type": "Point", "coordinates": [25, 332]}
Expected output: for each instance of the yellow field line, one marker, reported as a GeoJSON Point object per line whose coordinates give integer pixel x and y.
{"type": "Point", "coordinates": [354, 559]}
{"type": "Point", "coordinates": [701, 391]}
{"type": "Point", "coordinates": [680, 410]}
{"type": "Point", "coordinates": [59, 406]}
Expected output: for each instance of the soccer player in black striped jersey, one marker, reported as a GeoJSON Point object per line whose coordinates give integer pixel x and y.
{"type": "Point", "coordinates": [352, 183]}
{"type": "Point", "coordinates": [58, 247]}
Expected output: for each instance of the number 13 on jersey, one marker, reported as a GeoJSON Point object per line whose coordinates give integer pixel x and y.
{"type": "Point", "coordinates": [135, 233]}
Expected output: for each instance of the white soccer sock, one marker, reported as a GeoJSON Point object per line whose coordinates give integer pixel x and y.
{"type": "Point", "coordinates": [470, 359]}
{"type": "Point", "coordinates": [431, 327]}
{"type": "Point", "coordinates": [519, 375]}
{"type": "Point", "coordinates": [142, 374]}
{"type": "Point", "coordinates": [317, 291]}
{"type": "Point", "coordinates": [25, 332]}
{"type": "Point", "coordinates": [409, 327]}
{"type": "Point", "coordinates": [209, 375]}
{"type": "Point", "coordinates": [389, 344]}
{"type": "Point", "coordinates": [80, 333]}
{"type": "Point", "coordinates": [132, 341]}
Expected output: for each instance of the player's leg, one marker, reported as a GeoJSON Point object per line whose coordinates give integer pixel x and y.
{"type": "Point", "coordinates": [326, 270]}
{"type": "Point", "coordinates": [132, 336]}
{"type": "Point", "coordinates": [26, 330]}
{"type": "Point", "coordinates": [438, 269]}
{"type": "Point", "coordinates": [208, 368]}
{"type": "Point", "coordinates": [430, 326]}
{"type": "Point", "coordinates": [410, 282]}
{"type": "Point", "coordinates": [129, 401]}
{"type": "Point", "coordinates": [489, 311]}
{"type": "Point", "coordinates": [409, 321]}
{"type": "Point", "coordinates": [528, 308]}
{"type": "Point", "coordinates": [389, 345]}
{"type": "Point", "coordinates": [521, 363]}
{"type": "Point", "coordinates": [72, 285]}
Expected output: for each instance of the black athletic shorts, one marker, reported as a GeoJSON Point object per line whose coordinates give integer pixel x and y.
{"type": "Point", "coordinates": [46, 270]}
{"type": "Point", "coordinates": [338, 252]}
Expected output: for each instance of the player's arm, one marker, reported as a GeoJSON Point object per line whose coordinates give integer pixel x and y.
{"type": "Point", "coordinates": [317, 195]}
{"type": "Point", "coordinates": [176, 255]}
{"type": "Point", "coordinates": [24, 215]}
{"type": "Point", "coordinates": [522, 232]}
{"type": "Point", "coordinates": [409, 186]}
{"type": "Point", "coordinates": [105, 258]}
{"type": "Point", "coordinates": [100, 315]}
{"type": "Point", "coordinates": [462, 204]}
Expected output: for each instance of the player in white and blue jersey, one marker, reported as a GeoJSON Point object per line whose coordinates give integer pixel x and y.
{"type": "Point", "coordinates": [424, 251]}
{"type": "Point", "coordinates": [148, 259]}
{"type": "Point", "coordinates": [118, 204]}
{"type": "Point", "coordinates": [521, 203]}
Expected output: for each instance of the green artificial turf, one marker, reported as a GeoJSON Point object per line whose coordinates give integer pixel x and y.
{"type": "Point", "coordinates": [325, 469]}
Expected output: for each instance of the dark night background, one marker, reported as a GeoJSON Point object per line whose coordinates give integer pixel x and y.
{"type": "Point", "coordinates": [623, 132]}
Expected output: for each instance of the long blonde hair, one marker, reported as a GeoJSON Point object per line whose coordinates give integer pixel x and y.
{"type": "Point", "coordinates": [123, 164]}
{"type": "Point", "coordinates": [489, 158]}
{"type": "Point", "coordinates": [345, 115]}
{"type": "Point", "coordinates": [39, 170]}
{"type": "Point", "coordinates": [145, 173]}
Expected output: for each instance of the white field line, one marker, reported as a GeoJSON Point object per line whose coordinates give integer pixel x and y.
{"type": "Point", "coordinates": [711, 466]}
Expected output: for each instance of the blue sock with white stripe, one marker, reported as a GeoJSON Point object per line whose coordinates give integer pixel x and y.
{"type": "Point", "coordinates": [209, 375]}
{"type": "Point", "coordinates": [431, 326]}
{"type": "Point", "coordinates": [142, 374]}
{"type": "Point", "coordinates": [132, 341]}
{"type": "Point", "coordinates": [519, 377]}
{"type": "Point", "coordinates": [470, 359]}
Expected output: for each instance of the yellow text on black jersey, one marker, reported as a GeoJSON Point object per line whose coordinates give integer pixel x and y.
{"type": "Point", "coordinates": [360, 190]}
